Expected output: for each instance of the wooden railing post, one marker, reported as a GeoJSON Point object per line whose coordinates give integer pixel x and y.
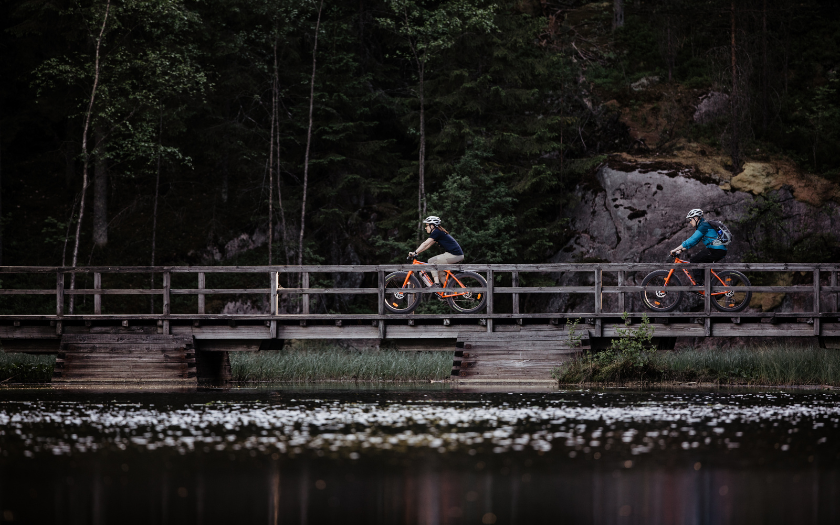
{"type": "Point", "coordinates": [202, 283]}
{"type": "Point", "coordinates": [97, 298]}
{"type": "Point", "coordinates": [490, 299]}
{"type": "Point", "coordinates": [816, 301]}
{"type": "Point", "coordinates": [380, 309]}
{"type": "Point", "coordinates": [59, 294]}
{"type": "Point", "coordinates": [707, 296]}
{"type": "Point", "coordinates": [514, 281]}
{"type": "Point", "coordinates": [833, 284]}
{"type": "Point", "coordinates": [274, 284]}
{"type": "Point", "coordinates": [304, 301]}
{"type": "Point", "coordinates": [622, 307]}
{"type": "Point", "coordinates": [598, 292]}
{"type": "Point", "coordinates": [167, 285]}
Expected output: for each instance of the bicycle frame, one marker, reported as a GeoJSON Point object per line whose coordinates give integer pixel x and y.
{"type": "Point", "coordinates": [424, 277]}
{"type": "Point", "coordinates": [677, 260]}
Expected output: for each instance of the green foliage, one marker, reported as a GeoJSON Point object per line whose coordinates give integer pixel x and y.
{"type": "Point", "coordinates": [772, 237]}
{"type": "Point", "coordinates": [25, 368]}
{"type": "Point", "coordinates": [631, 357]}
{"type": "Point", "coordinates": [335, 364]}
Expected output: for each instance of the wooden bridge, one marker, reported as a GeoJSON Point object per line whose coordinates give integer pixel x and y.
{"type": "Point", "coordinates": [190, 327]}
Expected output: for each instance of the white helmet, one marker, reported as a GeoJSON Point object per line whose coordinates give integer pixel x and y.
{"type": "Point", "coordinates": [696, 212]}
{"type": "Point", "coordinates": [433, 220]}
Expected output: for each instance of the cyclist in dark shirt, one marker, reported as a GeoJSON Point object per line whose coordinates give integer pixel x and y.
{"type": "Point", "coordinates": [453, 253]}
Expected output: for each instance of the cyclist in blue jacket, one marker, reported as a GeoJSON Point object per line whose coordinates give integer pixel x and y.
{"type": "Point", "coordinates": [714, 251]}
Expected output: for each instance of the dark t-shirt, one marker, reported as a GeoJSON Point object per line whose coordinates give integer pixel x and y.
{"type": "Point", "coordinates": [447, 242]}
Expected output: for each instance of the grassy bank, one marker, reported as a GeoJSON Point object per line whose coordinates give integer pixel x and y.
{"type": "Point", "coordinates": [25, 368]}
{"type": "Point", "coordinates": [338, 364]}
{"type": "Point", "coordinates": [768, 365]}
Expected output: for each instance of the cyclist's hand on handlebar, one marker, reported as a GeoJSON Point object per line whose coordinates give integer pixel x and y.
{"type": "Point", "coordinates": [412, 255]}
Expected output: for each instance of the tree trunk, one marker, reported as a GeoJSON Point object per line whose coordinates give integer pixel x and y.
{"type": "Point", "coordinates": [100, 192]}
{"type": "Point", "coordinates": [1, 197]}
{"type": "Point", "coordinates": [308, 138]}
{"type": "Point", "coordinates": [85, 154]}
{"type": "Point", "coordinates": [618, 14]}
{"type": "Point", "coordinates": [733, 99]}
{"type": "Point", "coordinates": [765, 73]}
{"type": "Point", "coordinates": [271, 157]}
{"type": "Point", "coordinates": [421, 194]}
{"type": "Point", "coordinates": [155, 210]}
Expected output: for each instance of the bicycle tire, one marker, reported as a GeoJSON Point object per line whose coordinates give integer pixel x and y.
{"type": "Point", "coordinates": [468, 303]}
{"type": "Point", "coordinates": [401, 302]}
{"type": "Point", "coordinates": [733, 301]}
{"type": "Point", "coordinates": [661, 300]}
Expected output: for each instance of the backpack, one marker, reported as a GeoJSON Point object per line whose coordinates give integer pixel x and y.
{"type": "Point", "coordinates": [724, 236]}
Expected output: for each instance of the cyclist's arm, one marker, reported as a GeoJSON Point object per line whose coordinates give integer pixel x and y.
{"type": "Point", "coordinates": [425, 246]}
{"type": "Point", "coordinates": [691, 241]}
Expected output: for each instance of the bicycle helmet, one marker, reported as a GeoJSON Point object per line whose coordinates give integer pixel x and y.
{"type": "Point", "coordinates": [696, 212]}
{"type": "Point", "coordinates": [433, 220]}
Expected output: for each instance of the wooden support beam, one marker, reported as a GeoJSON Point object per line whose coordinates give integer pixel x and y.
{"type": "Point", "coordinates": [304, 277]}
{"type": "Point", "coordinates": [380, 307]}
{"type": "Point", "coordinates": [490, 283]}
{"type": "Point", "coordinates": [167, 284]}
{"type": "Point", "coordinates": [274, 284]}
{"type": "Point", "coordinates": [202, 284]}
{"type": "Point", "coordinates": [598, 294]}
{"type": "Point", "coordinates": [59, 294]}
{"type": "Point", "coordinates": [707, 296]}
{"type": "Point", "coordinates": [514, 278]}
{"type": "Point", "coordinates": [817, 302]}
{"type": "Point", "coordinates": [622, 305]}
{"type": "Point", "coordinates": [97, 298]}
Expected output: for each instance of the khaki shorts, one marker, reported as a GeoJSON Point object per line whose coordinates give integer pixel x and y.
{"type": "Point", "coordinates": [445, 258]}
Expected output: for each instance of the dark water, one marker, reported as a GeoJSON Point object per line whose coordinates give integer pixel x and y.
{"type": "Point", "coordinates": [412, 455]}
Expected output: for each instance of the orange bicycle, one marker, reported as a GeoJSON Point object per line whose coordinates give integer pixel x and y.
{"type": "Point", "coordinates": [662, 300]}
{"type": "Point", "coordinates": [405, 301]}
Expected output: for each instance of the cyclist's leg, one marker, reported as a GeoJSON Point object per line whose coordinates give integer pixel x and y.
{"type": "Point", "coordinates": [708, 255]}
{"type": "Point", "coordinates": [444, 258]}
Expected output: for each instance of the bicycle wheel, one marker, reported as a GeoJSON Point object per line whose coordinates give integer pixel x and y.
{"type": "Point", "coordinates": [401, 302]}
{"type": "Point", "coordinates": [467, 302]}
{"type": "Point", "coordinates": [659, 299]}
{"type": "Point", "coordinates": [733, 300]}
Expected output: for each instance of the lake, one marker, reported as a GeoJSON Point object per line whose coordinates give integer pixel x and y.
{"type": "Point", "coordinates": [423, 454]}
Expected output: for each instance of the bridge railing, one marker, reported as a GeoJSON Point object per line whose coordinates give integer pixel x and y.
{"type": "Point", "coordinates": [613, 286]}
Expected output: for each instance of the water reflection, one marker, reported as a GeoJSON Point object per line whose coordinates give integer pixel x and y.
{"type": "Point", "coordinates": [432, 456]}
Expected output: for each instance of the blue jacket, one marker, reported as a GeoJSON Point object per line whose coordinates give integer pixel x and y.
{"type": "Point", "coordinates": [706, 233]}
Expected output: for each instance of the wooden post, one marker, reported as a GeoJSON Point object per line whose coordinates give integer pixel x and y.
{"type": "Point", "coordinates": [304, 301]}
{"type": "Point", "coordinates": [59, 294]}
{"type": "Point", "coordinates": [621, 295]}
{"type": "Point", "coordinates": [598, 287]}
{"type": "Point", "coordinates": [489, 299]}
{"type": "Point", "coordinates": [274, 281]}
{"type": "Point", "coordinates": [816, 302]}
{"type": "Point", "coordinates": [514, 278]}
{"type": "Point", "coordinates": [97, 298]}
{"type": "Point", "coordinates": [834, 283]}
{"type": "Point", "coordinates": [381, 297]}
{"type": "Point", "coordinates": [707, 297]}
{"type": "Point", "coordinates": [202, 283]}
{"type": "Point", "coordinates": [167, 284]}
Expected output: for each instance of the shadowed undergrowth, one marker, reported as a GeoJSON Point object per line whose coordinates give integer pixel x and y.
{"type": "Point", "coordinates": [337, 364]}
{"type": "Point", "coordinates": [768, 365]}
{"type": "Point", "coordinates": [25, 368]}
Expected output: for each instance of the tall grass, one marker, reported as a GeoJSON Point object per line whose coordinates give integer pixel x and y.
{"type": "Point", "coordinates": [338, 364]}
{"type": "Point", "coordinates": [25, 368]}
{"type": "Point", "coordinates": [764, 365]}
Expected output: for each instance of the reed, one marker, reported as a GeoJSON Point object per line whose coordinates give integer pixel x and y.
{"type": "Point", "coordinates": [324, 364]}
{"type": "Point", "coordinates": [25, 368]}
{"type": "Point", "coordinates": [763, 365]}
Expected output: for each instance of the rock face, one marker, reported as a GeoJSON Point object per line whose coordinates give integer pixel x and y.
{"type": "Point", "coordinates": [638, 213]}
{"type": "Point", "coordinates": [711, 106]}
{"type": "Point", "coordinates": [635, 212]}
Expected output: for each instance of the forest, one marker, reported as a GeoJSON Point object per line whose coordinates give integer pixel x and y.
{"type": "Point", "coordinates": [156, 132]}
